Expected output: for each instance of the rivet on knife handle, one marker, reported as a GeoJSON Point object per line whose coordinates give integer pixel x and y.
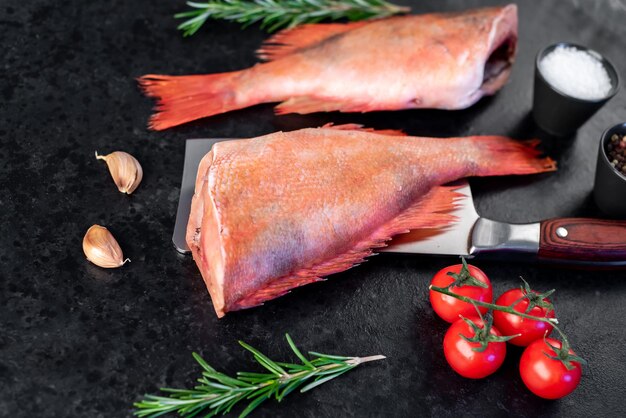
{"type": "Point", "coordinates": [583, 239]}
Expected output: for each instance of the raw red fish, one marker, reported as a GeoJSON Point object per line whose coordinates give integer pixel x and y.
{"type": "Point", "coordinates": [283, 210]}
{"type": "Point", "coordinates": [444, 61]}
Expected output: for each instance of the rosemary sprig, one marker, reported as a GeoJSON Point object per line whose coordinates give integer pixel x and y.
{"type": "Point", "coordinates": [276, 14]}
{"type": "Point", "coordinates": [218, 393]}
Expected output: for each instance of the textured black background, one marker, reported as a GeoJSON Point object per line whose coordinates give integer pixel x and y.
{"type": "Point", "coordinates": [78, 341]}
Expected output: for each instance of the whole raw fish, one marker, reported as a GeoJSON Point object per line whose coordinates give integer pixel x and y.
{"type": "Point", "coordinates": [444, 61]}
{"type": "Point", "coordinates": [283, 210]}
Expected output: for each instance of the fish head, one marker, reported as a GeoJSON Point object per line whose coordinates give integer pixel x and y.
{"type": "Point", "coordinates": [502, 48]}
{"type": "Point", "coordinates": [490, 54]}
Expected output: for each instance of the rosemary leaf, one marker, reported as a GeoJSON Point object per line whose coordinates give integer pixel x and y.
{"type": "Point", "coordinates": [278, 14]}
{"type": "Point", "coordinates": [218, 393]}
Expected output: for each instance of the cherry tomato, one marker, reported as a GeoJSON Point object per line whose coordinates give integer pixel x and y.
{"type": "Point", "coordinates": [464, 360]}
{"type": "Point", "coordinates": [510, 324]}
{"type": "Point", "coordinates": [546, 377]}
{"type": "Point", "coordinates": [449, 308]}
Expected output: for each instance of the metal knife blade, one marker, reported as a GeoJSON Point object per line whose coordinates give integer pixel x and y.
{"type": "Point", "coordinates": [454, 240]}
{"type": "Point", "coordinates": [472, 235]}
{"type": "Point", "coordinates": [195, 149]}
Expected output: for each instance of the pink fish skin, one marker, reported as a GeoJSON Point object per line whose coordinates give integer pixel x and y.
{"type": "Point", "coordinates": [441, 60]}
{"type": "Point", "coordinates": [286, 209]}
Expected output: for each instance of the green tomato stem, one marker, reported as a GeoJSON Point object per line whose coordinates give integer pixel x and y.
{"type": "Point", "coordinates": [507, 309]}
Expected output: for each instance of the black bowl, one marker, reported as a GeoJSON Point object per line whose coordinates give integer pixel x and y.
{"type": "Point", "coordinates": [558, 113]}
{"type": "Point", "coordinates": [609, 190]}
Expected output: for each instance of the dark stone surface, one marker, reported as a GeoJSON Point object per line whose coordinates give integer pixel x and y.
{"type": "Point", "coordinates": [78, 341]}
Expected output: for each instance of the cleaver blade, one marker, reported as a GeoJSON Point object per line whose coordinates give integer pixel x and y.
{"type": "Point", "coordinates": [454, 240]}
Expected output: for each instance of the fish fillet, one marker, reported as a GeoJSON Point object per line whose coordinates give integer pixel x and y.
{"type": "Point", "coordinates": [279, 211]}
{"type": "Point", "coordinates": [442, 60]}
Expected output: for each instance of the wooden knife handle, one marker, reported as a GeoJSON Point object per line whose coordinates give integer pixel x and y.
{"type": "Point", "coordinates": [583, 239]}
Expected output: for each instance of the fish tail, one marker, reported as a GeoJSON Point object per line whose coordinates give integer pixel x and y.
{"type": "Point", "coordinates": [182, 99]}
{"type": "Point", "coordinates": [499, 156]}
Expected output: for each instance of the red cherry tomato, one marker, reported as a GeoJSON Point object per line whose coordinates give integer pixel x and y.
{"type": "Point", "coordinates": [449, 308]}
{"type": "Point", "coordinates": [464, 360]}
{"type": "Point", "coordinates": [546, 377]}
{"type": "Point", "coordinates": [510, 324]}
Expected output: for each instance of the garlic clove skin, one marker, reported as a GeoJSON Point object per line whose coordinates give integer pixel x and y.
{"type": "Point", "coordinates": [125, 170]}
{"type": "Point", "coordinates": [102, 249]}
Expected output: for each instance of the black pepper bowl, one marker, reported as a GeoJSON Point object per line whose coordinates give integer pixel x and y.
{"type": "Point", "coordinates": [558, 113]}
{"type": "Point", "coordinates": [609, 190]}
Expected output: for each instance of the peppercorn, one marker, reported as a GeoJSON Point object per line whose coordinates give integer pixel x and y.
{"type": "Point", "coordinates": [616, 152]}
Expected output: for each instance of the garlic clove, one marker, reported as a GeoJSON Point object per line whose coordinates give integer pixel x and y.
{"type": "Point", "coordinates": [102, 249]}
{"type": "Point", "coordinates": [125, 170]}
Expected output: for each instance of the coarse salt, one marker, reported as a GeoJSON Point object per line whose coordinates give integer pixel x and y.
{"type": "Point", "coordinates": [576, 73]}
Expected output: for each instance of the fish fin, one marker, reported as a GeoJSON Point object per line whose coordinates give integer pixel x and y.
{"type": "Point", "coordinates": [289, 41]}
{"type": "Point", "coordinates": [185, 98]}
{"type": "Point", "coordinates": [310, 104]}
{"type": "Point", "coordinates": [432, 212]}
{"type": "Point", "coordinates": [358, 127]}
{"type": "Point", "coordinates": [508, 156]}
